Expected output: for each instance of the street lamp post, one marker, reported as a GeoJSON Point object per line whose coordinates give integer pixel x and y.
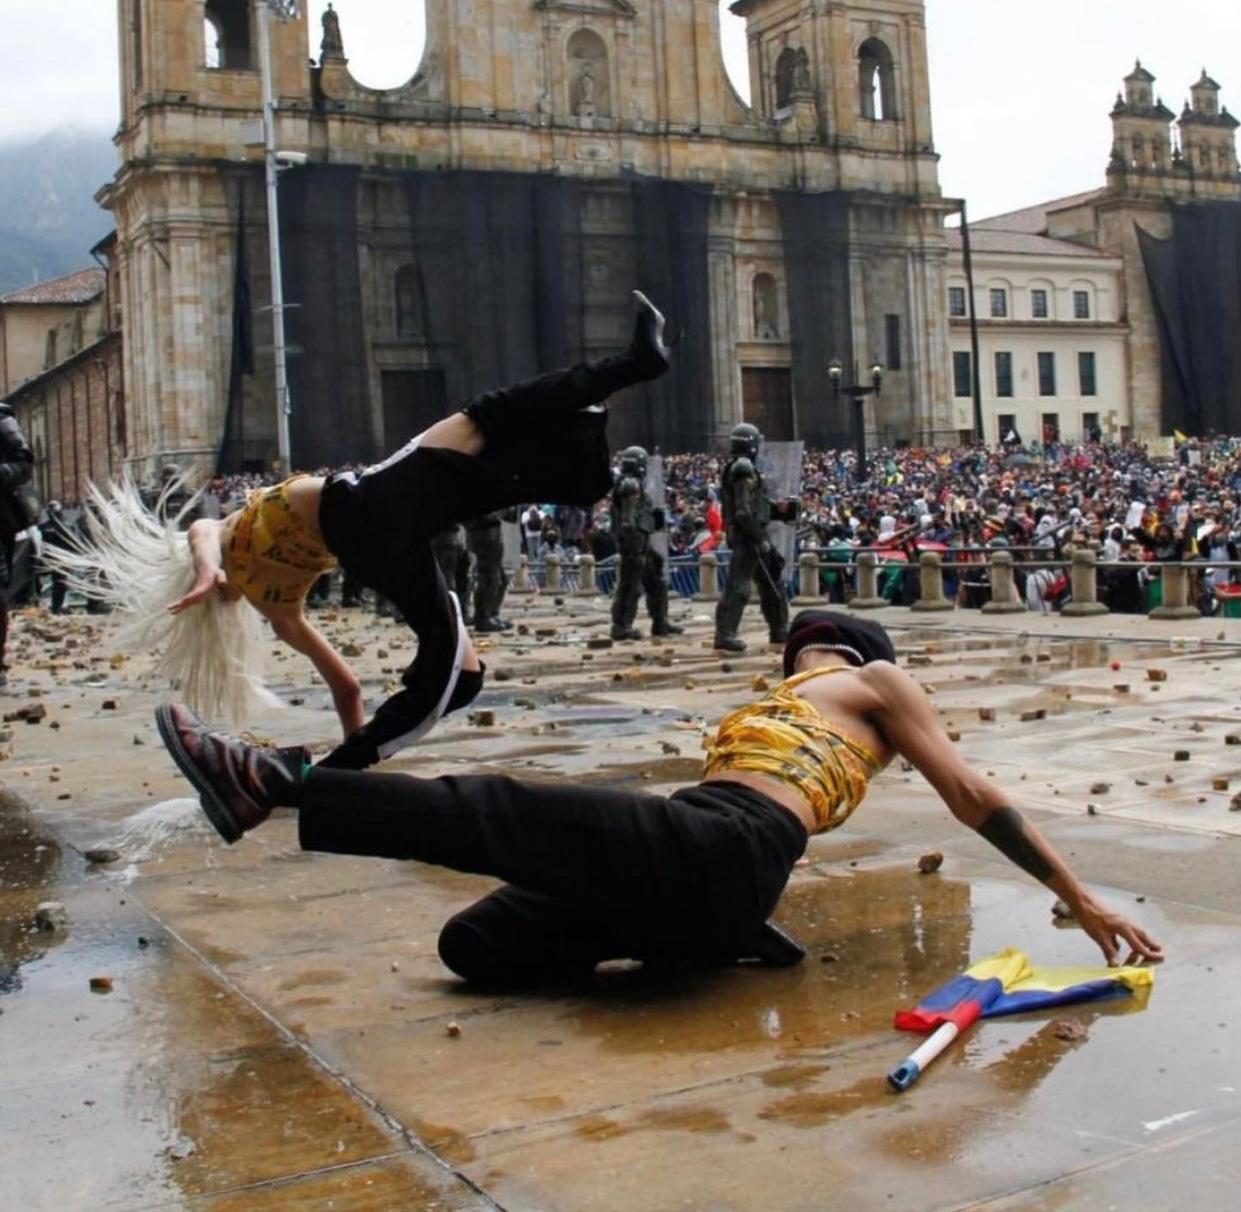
{"type": "Point", "coordinates": [284, 10]}
{"type": "Point", "coordinates": [857, 392]}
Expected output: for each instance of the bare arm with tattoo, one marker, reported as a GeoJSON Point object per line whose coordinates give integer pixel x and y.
{"type": "Point", "coordinates": [907, 720]}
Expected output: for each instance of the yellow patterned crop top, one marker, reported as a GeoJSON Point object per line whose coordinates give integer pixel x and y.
{"type": "Point", "coordinates": [271, 557]}
{"type": "Point", "coordinates": [784, 736]}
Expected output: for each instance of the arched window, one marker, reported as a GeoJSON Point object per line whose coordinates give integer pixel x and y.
{"type": "Point", "coordinates": [228, 22]}
{"type": "Point", "coordinates": [590, 89]}
{"type": "Point", "coordinates": [786, 74]}
{"type": "Point", "coordinates": [876, 81]}
{"type": "Point", "coordinates": [408, 302]}
{"type": "Point", "coordinates": [766, 300]}
{"type": "Point", "coordinates": [211, 43]}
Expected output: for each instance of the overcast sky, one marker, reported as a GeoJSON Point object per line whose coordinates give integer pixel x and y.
{"type": "Point", "coordinates": [1021, 89]}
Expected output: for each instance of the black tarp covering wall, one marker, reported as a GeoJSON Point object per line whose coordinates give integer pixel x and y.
{"type": "Point", "coordinates": [504, 292]}
{"type": "Point", "coordinates": [232, 452]}
{"type": "Point", "coordinates": [498, 261]}
{"type": "Point", "coordinates": [815, 231]}
{"type": "Point", "coordinates": [328, 379]}
{"type": "Point", "coordinates": [670, 222]}
{"type": "Point", "coordinates": [1195, 281]}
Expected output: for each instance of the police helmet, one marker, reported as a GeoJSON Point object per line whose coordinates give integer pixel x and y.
{"type": "Point", "coordinates": [745, 439]}
{"type": "Point", "coordinates": [633, 462]}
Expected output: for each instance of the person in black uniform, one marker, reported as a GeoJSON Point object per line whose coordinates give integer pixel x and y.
{"type": "Point", "coordinates": [635, 518]}
{"type": "Point", "coordinates": [453, 557]}
{"type": "Point", "coordinates": [747, 510]}
{"type": "Point", "coordinates": [16, 470]}
{"type": "Point", "coordinates": [485, 540]}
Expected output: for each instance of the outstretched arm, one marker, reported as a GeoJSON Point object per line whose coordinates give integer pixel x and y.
{"type": "Point", "coordinates": [909, 722]}
{"type": "Point", "coordinates": [296, 630]}
{"type": "Point", "coordinates": [204, 539]}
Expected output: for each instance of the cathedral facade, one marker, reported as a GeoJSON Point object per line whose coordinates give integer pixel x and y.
{"type": "Point", "coordinates": [489, 218]}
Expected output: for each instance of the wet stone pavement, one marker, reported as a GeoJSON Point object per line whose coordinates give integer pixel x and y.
{"type": "Point", "coordinates": [269, 1029]}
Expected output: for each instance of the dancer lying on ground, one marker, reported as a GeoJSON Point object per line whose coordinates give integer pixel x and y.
{"type": "Point", "coordinates": [543, 440]}
{"type": "Point", "coordinates": [594, 874]}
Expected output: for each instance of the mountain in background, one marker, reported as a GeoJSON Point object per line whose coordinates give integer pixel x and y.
{"type": "Point", "coordinates": [48, 216]}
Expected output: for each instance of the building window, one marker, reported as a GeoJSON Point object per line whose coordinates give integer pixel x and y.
{"type": "Point", "coordinates": [1051, 427]}
{"type": "Point", "coordinates": [962, 378]}
{"type": "Point", "coordinates": [999, 302]}
{"type": "Point", "coordinates": [1007, 427]}
{"type": "Point", "coordinates": [1038, 304]}
{"type": "Point", "coordinates": [892, 327]}
{"type": "Point", "coordinates": [876, 81]}
{"type": "Point", "coordinates": [1004, 374]}
{"type": "Point", "coordinates": [1086, 374]}
{"type": "Point", "coordinates": [786, 72]}
{"type": "Point", "coordinates": [956, 300]}
{"type": "Point", "coordinates": [227, 23]}
{"type": "Point", "coordinates": [1047, 374]}
{"type": "Point", "coordinates": [1081, 305]}
{"type": "Point", "coordinates": [1090, 427]}
{"type": "Point", "coordinates": [49, 349]}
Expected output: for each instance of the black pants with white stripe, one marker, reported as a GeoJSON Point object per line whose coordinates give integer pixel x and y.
{"type": "Point", "coordinates": [545, 441]}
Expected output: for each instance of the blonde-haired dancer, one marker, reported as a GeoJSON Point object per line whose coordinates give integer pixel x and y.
{"type": "Point", "coordinates": [542, 440]}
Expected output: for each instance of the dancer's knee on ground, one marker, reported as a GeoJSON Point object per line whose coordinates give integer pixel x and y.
{"type": "Point", "coordinates": [492, 963]}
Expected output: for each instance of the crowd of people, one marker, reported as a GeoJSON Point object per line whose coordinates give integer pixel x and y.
{"type": "Point", "coordinates": [1041, 501]}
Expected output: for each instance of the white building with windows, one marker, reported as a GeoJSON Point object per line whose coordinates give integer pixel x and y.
{"type": "Point", "coordinates": [1051, 332]}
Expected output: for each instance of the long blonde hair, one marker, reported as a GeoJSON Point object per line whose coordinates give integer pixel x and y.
{"type": "Point", "coordinates": [138, 561]}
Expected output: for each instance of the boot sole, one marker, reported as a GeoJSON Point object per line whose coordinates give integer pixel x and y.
{"type": "Point", "coordinates": [211, 804]}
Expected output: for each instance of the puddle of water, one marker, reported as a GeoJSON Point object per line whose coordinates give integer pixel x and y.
{"type": "Point", "coordinates": [29, 863]}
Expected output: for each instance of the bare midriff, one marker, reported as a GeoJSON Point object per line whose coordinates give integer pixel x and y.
{"type": "Point", "coordinates": [784, 747]}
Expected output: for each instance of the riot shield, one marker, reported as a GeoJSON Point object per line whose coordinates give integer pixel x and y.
{"type": "Point", "coordinates": [510, 534]}
{"type": "Point", "coordinates": [657, 492]}
{"type": "Point", "coordinates": [780, 465]}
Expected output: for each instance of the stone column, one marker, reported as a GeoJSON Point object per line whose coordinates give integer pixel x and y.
{"type": "Point", "coordinates": [867, 597]}
{"type": "Point", "coordinates": [552, 580]}
{"type": "Point", "coordinates": [1004, 598]}
{"type": "Point", "coordinates": [708, 578]}
{"type": "Point", "coordinates": [521, 578]}
{"type": "Point", "coordinates": [931, 579]}
{"type": "Point", "coordinates": [586, 587]}
{"type": "Point", "coordinates": [1175, 595]}
{"type": "Point", "coordinates": [1085, 582]}
{"type": "Point", "coordinates": [808, 592]}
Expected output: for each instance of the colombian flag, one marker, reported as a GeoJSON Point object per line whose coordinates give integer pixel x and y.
{"type": "Point", "coordinates": [1007, 983]}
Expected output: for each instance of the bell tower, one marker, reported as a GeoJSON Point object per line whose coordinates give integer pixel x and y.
{"type": "Point", "coordinates": [859, 72]}
{"type": "Point", "coordinates": [191, 100]}
{"type": "Point", "coordinates": [1208, 141]}
{"type": "Point", "coordinates": [1142, 151]}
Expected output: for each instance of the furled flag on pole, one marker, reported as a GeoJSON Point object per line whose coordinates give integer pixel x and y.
{"type": "Point", "coordinates": [1004, 983]}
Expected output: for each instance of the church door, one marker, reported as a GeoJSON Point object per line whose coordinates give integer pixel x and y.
{"type": "Point", "coordinates": [767, 401]}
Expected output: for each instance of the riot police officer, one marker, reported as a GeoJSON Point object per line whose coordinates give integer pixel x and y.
{"type": "Point", "coordinates": [453, 558]}
{"type": "Point", "coordinates": [635, 518]}
{"type": "Point", "coordinates": [486, 543]}
{"type": "Point", "coordinates": [747, 510]}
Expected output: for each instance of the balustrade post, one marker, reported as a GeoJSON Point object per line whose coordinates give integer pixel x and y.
{"type": "Point", "coordinates": [931, 583]}
{"type": "Point", "coordinates": [1176, 603]}
{"type": "Point", "coordinates": [1004, 599]}
{"type": "Point", "coordinates": [867, 597]}
{"type": "Point", "coordinates": [1084, 578]}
